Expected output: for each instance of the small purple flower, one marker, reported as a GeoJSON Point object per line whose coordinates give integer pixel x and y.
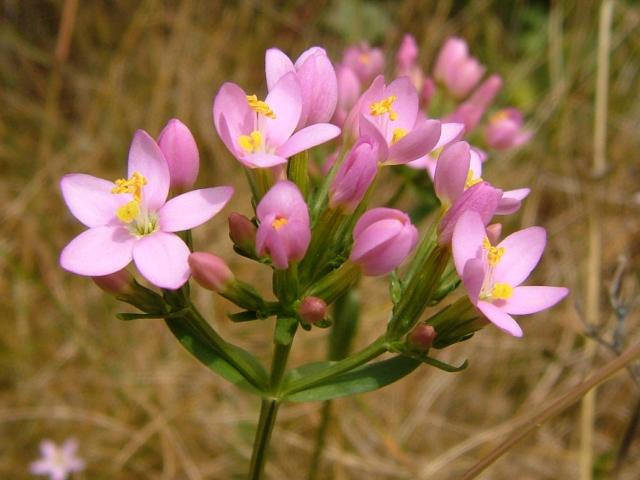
{"type": "Point", "coordinates": [132, 219]}
{"type": "Point", "coordinates": [492, 275]}
{"type": "Point", "coordinates": [365, 61]}
{"type": "Point", "coordinates": [456, 69]}
{"type": "Point", "coordinates": [505, 131]}
{"type": "Point", "coordinates": [260, 133]}
{"type": "Point", "coordinates": [284, 231]}
{"type": "Point", "coordinates": [181, 152]}
{"type": "Point", "coordinates": [317, 78]}
{"type": "Point", "coordinates": [382, 240]}
{"type": "Point", "coordinates": [57, 462]}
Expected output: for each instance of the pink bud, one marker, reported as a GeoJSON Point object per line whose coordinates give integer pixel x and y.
{"type": "Point", "coordinates": [456, 69]}
{"type": "Point", "coordinates": [348, 93]}
{"type": "Point", "coordinates": [312, 310]}
{"type": "Point", "coordinates": [407, 54]}
{"type": "Point", "coordinates": [242, 232]}
{"type": "Point", "coordinates": [505, 131]}
{"type": "Point", "coordinates": [118, 283]}
{"type": "Point", "coordinates": [382, 239]}
{"type": "Point", "coordinates": [421, 337]}
{"type": "Point", "coordinates": [453, 52]}
{"type": "Point", "coordinates": [481, 198]}
{"type": "Point", "coordinates": [493, 233]}
{"type": "Point", "coordinates": [365, 61]}
{"type": "Point", "coordinates": [181, 152]}
{"type": "Point", "coordinates": [210, 271]}
{"type": "Point", "coordinates": [427, 91]}
{"type": "Point", "coordinates": [318, 85]}
{"type": "Point", "coordinates": [284, 231]}
{"type": "Point", "coordinates": [355, 175]}
{"type": "Point", "coordinates": [471, 111]}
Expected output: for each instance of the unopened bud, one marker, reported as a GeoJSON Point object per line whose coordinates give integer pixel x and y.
{"type": "Point", "coordinates": [118, 283]}
{"type": "Point", "coordinates": [421, 337]}
{"type": "Point", "coordinates": [312, 310]}
{"type": "Point", "coordinates": [242, 232]}
{"type": "Point", "coordinates": [210, 271]}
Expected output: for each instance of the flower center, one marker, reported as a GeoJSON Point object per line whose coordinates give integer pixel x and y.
{"type": "Point", "coordinates": [279, 222]}
{"type": "Point", "coordinates": [470, 182]}
{"type": "Point", "coordinates": [501, 291]}
{"type": "Point", "coordinates": [132, 185]}
{"type": "Point", "coordinates": [494, 254]}
{"type": "Point", "coordinates": [499, 116]}
{"type": "Point", "coordinates": [139, 221]}
{"type": "Point", "coordinates": [251, 143]}
{"type": "Point", "coordinates": [384, 106]}
{"type": "Point", "coordinates": [398, 133]}
{"type": "Point", "coordinates": [364, 58]}
{"type": "Point", "coordinates": [260, 107]}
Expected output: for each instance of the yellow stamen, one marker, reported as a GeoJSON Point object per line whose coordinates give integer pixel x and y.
{"type": "Point", "coordinates": [494, 254]}
{"type": "Point", "coordinates": [471, 181]}
{"type": "Point", "coordinates": [279, 222]}
{"type": "Point", "coordinates": [501, 291]}
{"type": "Point", "coordinates": [499, 116]}
{"type": "Point", "coordinates": [129, 211]}
{"type": "Point", "coordinates": [384, 106]}
{"type": "Point", "coordinates": [365, 58]}
{"type": "Point", "coordinates": [398, 133]}
{"type": "Point", "coordinates": [133, 185]}
{"type": "Point", "coordinates": [260, 106]}
{"type": "Point", "coordinates": [252, 142]}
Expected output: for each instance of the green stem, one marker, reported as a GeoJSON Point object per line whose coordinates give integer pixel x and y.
{"type": "Point", "coordinates": [321, 436]}
{"type": "Point", "coordinates": [298, 172]}
{"type": "Point", "coordinates": [268, 412]}
{"type": "Point", "coordinates": [374, 350]}
{"type": "Point", "coordinates": [278, 366]}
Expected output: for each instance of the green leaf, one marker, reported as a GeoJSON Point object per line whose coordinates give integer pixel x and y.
{"type": "Point", "coordinates": [208, 356]}
{"type": "Point", "coordinates": [136, 316]}
{"type": "Point", "coordinates": [363, 379]}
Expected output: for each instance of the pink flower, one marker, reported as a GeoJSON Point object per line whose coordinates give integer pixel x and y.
{"type": "Point", "coordinates": [456, 69]}
{"type": "Point", "coordinates": [210, 271]}
{"type": "Point", "coordinates": [449, 133]}
{"type": "Point", "coordinates": [284, 231]}
{"type": "Point", "coordinates": [407, 54]}
{"type": "Point", "coordinates": [505, 130]}
{"type": "Point", "coordinates": [57, 462]}
{"type": "Point", "coordinates": [382, 240]}
{"type": "Point", "coordinates": [365, 61]}
{"type": "Point", "coordinates": [471, 111]}
{"type": "Point", "coordinates": [317, 78]}
{"type": "Point", "coordinates": [260, 133]}
{"type": "Point", "coordinates": [132, 219]}
{"type": "Point", "coordinates": [356, 174]}
{"type": "Point", "coordinates": [181, 152]}
{"type": "Point", "coordinates": [348, 92]}
{"type": "Point", "coordinates": [390, 114]}
{"type": "Point", "coordinates": [492, 275]}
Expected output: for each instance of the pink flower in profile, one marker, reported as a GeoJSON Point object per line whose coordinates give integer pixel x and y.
{"type": "Point", "coordinates": [181, 152]}
{"type": "Point", "coordinates": [284, 231]}
{"type": "Point", "coordinates": [132, 219]}
{"type": "Point", "coordinates": [57, 462]}
{"type": "Point", "coordinates": [365, 61]}
{"type": "Point", "coordinates": [456, 69]}
{"type": "Point", "coordinates": [260, 133]}
{"type": "Point", "coordinates": [492, 275]}
{"type": "Point", "coordinates": [389, 113]}
{"type": "Point", "coordinates": [471, 110]}
{"type": "Point", "coordinates": [382, 240]}
{"type": "Point", "coordinates": [317, 78]}
{"type": "Point", "coordinates": [505, 131]}
{"type": "Point", "coordinates": [348, 92]}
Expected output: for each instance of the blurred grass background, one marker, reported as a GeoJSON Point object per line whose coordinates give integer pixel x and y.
{"type": "Point", "coordinates": [74, 91]}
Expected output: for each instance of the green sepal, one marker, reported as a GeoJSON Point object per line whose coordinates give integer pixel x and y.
{"type": "Point", "coordinates": [395, 288]}
{"type": "Point", "coordinates": [442, 365]}
{"type": "Point", "coordinates": [360, 380]}
{"type": "Point", "coordinates": [246, 316]}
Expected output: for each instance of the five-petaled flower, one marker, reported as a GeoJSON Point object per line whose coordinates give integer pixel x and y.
{"type": "Point", "coordinates": [57, 462]}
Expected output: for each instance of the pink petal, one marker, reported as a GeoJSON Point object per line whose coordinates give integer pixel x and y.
{"type": "Point", "coordinates": [376, 214]}
{"type": "Point", "coordinates": [473, 278]}
{"type": "Point", "coordinates": [500, 318]}
{"type": "Point", "coordinates": [90, 199]}
{"type": "Point", "coordinates": [319, 88]}
{"type": "Point", "coordinates": [406, 105]}
{"type": "Point", "coordinates": [232, 115]}
{"type": "Point", "coordinates": [277, 64]}
{"type": "Point", "coordinates": [449, 132]}
{"type": "Point", "coordinates": [518, 194]}
{"type": "Point", "coordinates": [146, 158]}
{"type": "Point", "coordinates": [507, 206]}
{"type": "Point", "coordinates": [98, 251]}
{"type": "Point", "coordinates": [162, 258]}
{"type": "Point", "coordinates": [40, 467]}
{"type": "Point", "coordinates": [262, 160]}
{"type": "Point", "coordinates": [522, 252]}
{"type": "Point", "coordinates": [418, 142]}
{"type": "Point", "coordinates": [467, 238]}
{"type": "Point", "coordinates": [452, 168]}
{"type": "Point", "coordinates": [375, 235]}
{"type": "Point", "coordinates": [368, 129]}
{"type": "Point", "coordinates": [283, 199]}
{"type": "Point", "coordinates": [307, 138]}
{"type": "Point", "coordinates": [193, 208]}
{"type": "Point", "coordinates": [372, 94]}
{"type": "Point", "coordinates": [527, 300]}
{"type": "Point", "coordinates": [286, 102]}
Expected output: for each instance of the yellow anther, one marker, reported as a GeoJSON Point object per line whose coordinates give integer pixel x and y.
{"type": "Point", "coordinates": [128, 212]}
{"type": "Point", "coordinates": [494, 254]}
{"type": "Point", "coordinates": [499, 116]}
{"type": "Point", "coordinates": [133, 185]}
{"type": "Point", "coordinates": [365, 58]}
{"type": "Point", "coordinates": [260, 106]}
{"type": "Point", "coordinates": [251, 143]}
{"type": "Point", "coordinates": [279, 222]}
{"type": "Point", "coordinates": [501, 291]}
{"type": "Point", "coordinates": [398, 133]}
{"type": "Point", "coordinates": [470, 182]}
{"type": "Point", "coordinates": [384, 106]}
